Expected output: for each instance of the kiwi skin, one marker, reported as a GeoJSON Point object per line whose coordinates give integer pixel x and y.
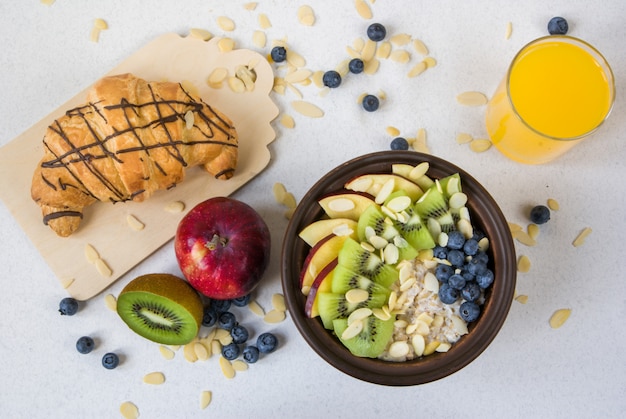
{"type": "Point", "coordinates": [162, 292]}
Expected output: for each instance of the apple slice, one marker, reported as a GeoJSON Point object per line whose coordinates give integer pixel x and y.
{"type": "Point", "coordinates": [416, 174]}
{"type": "Point", "coordinates": [317, 230]}
{"type": "Point", "coordinates": [346, 204]}
{"type": "Point", "coordinates": [374, 184]}
{"type": "Point", "coordinates": [322, 283]}
{"type": "Point", "coordinates": [319, 256]}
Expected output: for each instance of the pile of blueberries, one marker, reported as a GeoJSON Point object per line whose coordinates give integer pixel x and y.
{"type": "Point", "coordinates": [217, 313]}
{"type": "Point", "coordinates": [466, 273]}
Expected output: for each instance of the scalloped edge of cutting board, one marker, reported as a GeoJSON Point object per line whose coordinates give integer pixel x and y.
{"type": "Point", "coordinates": [168, 57]}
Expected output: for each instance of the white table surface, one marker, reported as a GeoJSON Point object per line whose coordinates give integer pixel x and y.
{"type": "Point", "coordinates": [530, 370]}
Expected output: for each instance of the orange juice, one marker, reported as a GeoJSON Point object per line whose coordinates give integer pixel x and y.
{"type": "Point", "coordinates": [557, 91]}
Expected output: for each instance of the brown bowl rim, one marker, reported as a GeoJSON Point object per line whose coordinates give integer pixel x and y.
{"type": "Point", "coordinates": [485, 213]}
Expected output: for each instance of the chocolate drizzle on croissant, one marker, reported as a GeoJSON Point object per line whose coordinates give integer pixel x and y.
{"type": "Point", "coordinates": [130, 139]}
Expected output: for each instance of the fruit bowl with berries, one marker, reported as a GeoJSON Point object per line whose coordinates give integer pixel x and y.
{"type": "Point", "coordinates": [398, 268]}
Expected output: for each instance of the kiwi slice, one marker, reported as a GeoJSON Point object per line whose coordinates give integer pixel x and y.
{"type": "Point", "coordinates": [433, 204]}
{"type": "Point", "coordinates": [162, 308]}
{"type": "Point", "coordinates": [333, 306]}
{"type": "Point", "coordinates": [368, 264]}
{"type": "Point", "coordinates": [344, 279]}
{"type": "Point", "coordinates": [374, 217]}
{"type": "Point", "coordinates": [416, 233]}
{"type": "Point", "coordinates": [371, 341]}
{"type": "Point", "coordinates": [450, 185]}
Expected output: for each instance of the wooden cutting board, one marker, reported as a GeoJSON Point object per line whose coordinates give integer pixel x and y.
{"type": "Point", "coordinates": [105, 226]}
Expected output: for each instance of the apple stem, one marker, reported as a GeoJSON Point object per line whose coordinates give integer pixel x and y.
{"type": "Point", "coordinates": [217, 239]}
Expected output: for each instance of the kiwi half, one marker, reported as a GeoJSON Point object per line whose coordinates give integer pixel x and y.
{"type": "Point", "coordinates": [371, 341]}
{"type": "Point", "coordinates": [162, 308]}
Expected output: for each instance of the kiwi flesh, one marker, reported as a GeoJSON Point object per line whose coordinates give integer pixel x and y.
{"type": "Point", "coordinates": [374, 217]}
{"type": "Point", "coordinates": [433, 204]}
{"type": "Point", "coordinates": [371, 341]}
{"type": "Point", "coordinates": [162, 308]}
{"type": "Point", "coordinates": [368, 264]}
{"type": "Point", "coordinates": [333, 306]}
{"type": "Point", "coordinates": [344, 280]}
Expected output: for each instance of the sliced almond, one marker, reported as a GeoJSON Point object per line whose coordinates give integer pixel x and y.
{"type": "Point", "coordinates": [400, 56]}
{"type": "Point", "coordinates": [236, 84]}
{"type": "Point", "coordinates": [305, 15]}
{"type": "Point", "coordinates": [508, 31]}
{"type": "Point", "coordinates": [400, 39]}
{"type": "Point", "coordinates": [239, 365]}
{"type": "Point", "coordinates": [430, 62]}
{"type": "Point", "coordinates": [522, 299]}
{"type": "Point", "coordinates": [227, 368]}
{"type": "Point", "coordinates": [307, 109]}
{"type": "Point", "coordinates": [363, 9]}
{"type": "Point", "coordinates": [341, 205]}
{"type": "Point", "coordinates": [463, 138]}
{"type": "Point", "coordinates": [100, 24]}
{"type": "Point", "coordinates": [274, 316]}
{"type": "Point", "coordinates": [202, 352]}
{"type": "Point", "coordinates": [420, 47]}
{"type": "Point", "coordinates": [359, 314]}
{"type": "Point", "coordinates": [200, 34]}
{"type": "Point", "coordinates": [443, 347]}
{"type": "Point", "coordinates": [559, 317]}
{"type": "Point", "coordinates": [66, 283]}
{"type": "Point", "coordinates": [264, 21]}
{"type": "Point", "coordinates": [134, 223]}
{"type": "Point", "coordinates": [166, 352]}
{"type": "Point", "coordinates": [480, 145]}
{"type": "Point", "coordinates": [431, 283]}
{"type": "Point", "coordinates": [225, 23]}
{"type": "Point", "coordinates": [91, 254]}
{"type": "Point", "coordinates": [259, 39]}
{"type": "Point", "coordinates": [523, 264]}
{"type": "Point", "coordinates": [103, 269]}
{"type": "Point", "coordinates": [398, 349]}
{"type": "Point", "coordinates": [431, 347]}
{"type": "Point", "coordinates": [279, 192]}
{"type": "Point", "coordinates": [357, 295]}
{"type": "Point", "coordinates": [391, 254]}
{"type": "Point", "coordinates": [111, 302]}
{"type": "Point", "coordinates": [383, 51]}
{"type": "Point", "coordinates": [582, 236]}
{"type": "Point", "coordinates": [553, 204]}
{"type": "Point", "coordinates": [419, 344]}
{"type": "Point", "coordinates": [278, 302]}
{"type": "Point", "coordinates": [352, 330]}
{"type": "Point", "coordinates": [287, 121]}
{"type": "Point", "coordinates": [533, 230]}
{"type": "Point", "coordinates": [457, 200]}
{"type": "Point", "coordinates": [523, 237]}
{"type": "Point", "coordinates": [371, 67]}
{"type": "Point", "coordinates": [381, 314]}
{"type": "Point", "coordinates": [205, 399]}
{"type": "Point", "coordinates": [129, 411]}
{"type": "Point", "coordinates": [254, 307]}
{"type": "Point", "coordinates": [289, 200]}
{"type": "Point", "coordinates": [189, 352]}
{"type": "Point", "coordinates": [399, 203]}
{"type": "Point", "coordinates": [472, 98]}
{"type": "Point", "coordinates": [175, 207]}
{"type": "Point", "coordinates": [417, 69]}
{"type": "Point", "coordinates": [154, 378]}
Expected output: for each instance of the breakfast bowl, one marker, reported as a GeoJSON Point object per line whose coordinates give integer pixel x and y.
{"type": "Point", "coordinates": [495, 299]}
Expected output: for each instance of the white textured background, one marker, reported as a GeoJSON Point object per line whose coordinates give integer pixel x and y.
{"type": "Point", "coordinates": [530, 370]}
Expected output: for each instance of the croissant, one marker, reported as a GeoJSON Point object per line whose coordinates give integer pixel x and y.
{"type": "Point", "coordinates": [130, 139]}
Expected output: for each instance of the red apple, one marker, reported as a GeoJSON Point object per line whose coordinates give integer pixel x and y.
{"type": "Point", "coordinates": [223, 248]}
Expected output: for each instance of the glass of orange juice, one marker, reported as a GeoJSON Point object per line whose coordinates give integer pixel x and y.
{"type": "Point", "coordinates": [558, 91]}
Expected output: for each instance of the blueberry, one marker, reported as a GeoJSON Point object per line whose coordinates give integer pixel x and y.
{"type": "Point", "coordinates": [468, 276]}
{"type": "Point", "coordinates": [231, 351]}
{"type": "Point", "coordinates": [558, 26]}
{"type": "Point", "coordinates": [370, 103]}
{"type": "Point", "coordinates": [278, 54]}
{"type": "Point", "coordinates": [110, 360]}
{"type": "Point", "coordinates": [447, 294]}
{"type": "Point", "coordinates": [266, 343]}
{"type": "Point", "coordinates": [470, 248]}
{"type": "Point", "coordinates": [226, 320]}
{"type": "Point", "coordinates": [478, 235]}
{"type": "Point", "coordinates": [440, 252]}
{"type": "Point", "coordinates": [85, 344]}
{"type": "Point", "coordinates": [540, 214]}
{"type": "Point", "coordinates": [241, 301]}
{"type": "Point", "coordinates": [456, 258]}
{"type": "Point", "coordinates": [399, 143]}
{"type": "Point", "coordinates": [239, 334]}
{"type": "Point", "coordinates": [68, 306]}
{"type": "Point", "coordinates": [250, 354]}
{"type": "Point", "coordinates": [456, 281]}
{"type": "Point", "coordinates": [209, 316]}
{"type": "Point", "coordinates": [331, 79]}
{"type": "Point", "coordinates": [476, 266]}
{"type": "Point", "coordinates": [221, 305]}
{"type": "Point", "coordinates": [485, 279]}
{"type": "Point", "coordinates": [376, 32]}
{"type": "Point", "coordinates": [443, 272]}
{"type": "Point", "coordinates": [482, 257]}
{"type": "Point", "coordinates": [470, 292]}
{"type": "Point", "coordinates": [356, 66]}
{"type": "Point", "coordinates": [456, 240]}
{"type": "Point", "coordinates": [469, 311]}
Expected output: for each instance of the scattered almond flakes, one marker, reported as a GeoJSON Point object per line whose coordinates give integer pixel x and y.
{"type": "Point", "coordinates": [175, 207]}
{"type": "Point", "coordinates": [580, 239]}
{"type": "Point", "coordinates": [522, 299]}
{"type": "Point", "coordinates": [154, 378]}
{"type": "Point", "coordinates": [400, 39]}
{"type": "Point", "coordinates": [259, 39]}
{"type": "Point", "coordinates": [306, 15]}
{"type": "Point", "coordinates": [226, 44]}
{"type": "Point", "coordinates": [227, 367]}
{"type": "Point", "coordinates": [278, 302]}
{"type": "Point", "coordinates": [533, 230]}
{"type": "Point", "coordinates": [393, 131]}
{"type": "Point", "coordinates": [559, 317]}
{"type": "Point", "coordinates": [369, 50]}
{"type": "Point", "coordinates": [287, 121]}
{"type": "Point", "coordinates": [189, 352]}
{"type": "Point", "coordinates": [298, 75]}
{"type": "Point", "coordinates": [239, 365]}
{"type": "Point", "coordinates": [523, 237]}
{"type": "Point", "coordinates": [514, 227]}
{"type": "Point", "coordinates": [508, 31]}
{"type": "Point", "coordinates": [264, 21]}
{"type": "Point", "coordinates": [480, 145]}
{"type": "Point", "coordinates": [430, 62]}
{"type": "Point", "coordinates": [225, 23]}
{"type": "Point", "coordinates": [417, 69]}
{"type": "Point", "coordinates": [134, 223]}
{"type": "Point", "coordinates": [205, 399]}
{"type": "Point", "coordinates": [256, 308]}
{"type": "Point", "coordinates": [371, 66]}
{"type": "Point", "coordinates": [166, 352]}
{"type": "Point", "coordinates": [202, 352]}
{"type": "Point", "coordinates": [420, 47]}
{"type": "Point", "coordinates": [110, 302]}
{"type": "Point", "coordinates": [250, 6]}
{"type": "Point", "coordinates": [217, 77]}
{"type": "Point", "coordinates": [400, 56]}
{"type": "Point", "coordinates": [523, 264]}
{"type": "Point", "coordinates": [100, 24]}
{"type": "Point", "coordinates": [553, 204]}
{"type": "Point", "coordinates": [295, 59]}
{"type": "Point", "coordinates": [383, 51]}
{"type": "Point", "coordinates": [463, 138]}
{"type": "Point", "coordinates": [129, 410]}
{"type": "Point", "coordinates": [279, 191]}
{"type": "Point", "coordinates": [274, 316]}
{"type": "Point", "coordinates": [103, 268]}
{"type": "Point", "coordinates": [307, 109]}
{"type": "Point", "coordinates": [419, 144]}
{"type": "Point", "coordinates": [91, 254]}
{"type": "Point", "coordinates": [363, 9]}
{"type": "Point", "coordinates": [200, 34]}
{"type": "Point", "coordinates": [47, 2]}
{"type": "Point", "coordinates": [236, 84]}
{"type": "Point", "coordinates": [472, 99]}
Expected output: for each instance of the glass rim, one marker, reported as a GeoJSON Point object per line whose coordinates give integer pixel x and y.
{"type": "Point", "coordinates": [604, 64]}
